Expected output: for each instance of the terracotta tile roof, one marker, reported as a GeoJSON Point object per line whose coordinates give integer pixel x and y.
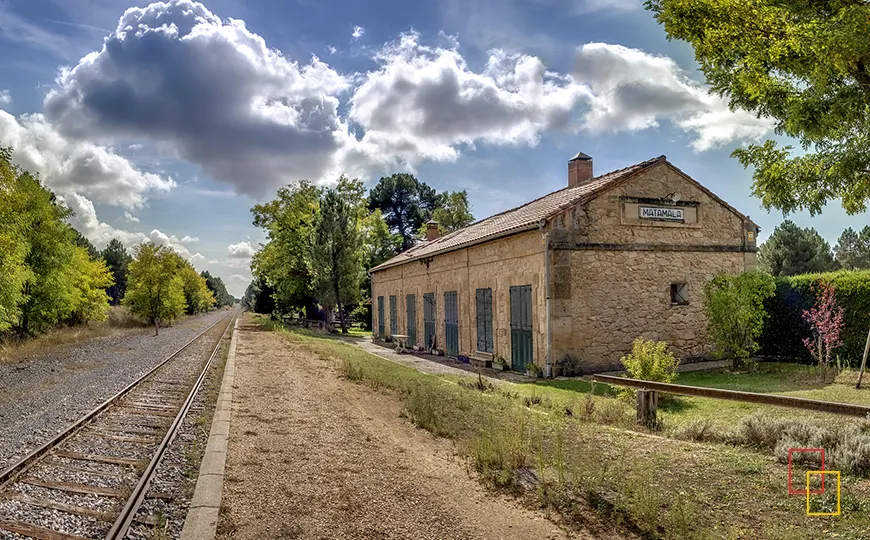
{"type": "Point", "coordinates": [519, 219]}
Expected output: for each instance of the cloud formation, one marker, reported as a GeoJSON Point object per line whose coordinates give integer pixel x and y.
{"type": "Point", "coordinates": [70, 165]}
{"type": "Point", "coordinates": [211, 92]}
{"type": "Point", "coordinates": [242, 250]}
{"type": "Point", "coordinates": [631, 90]}
{"type": "Point", "coordinates": [358, 32]}
{"type": "Point", "coordinates": [426, 102]}
{"type": "Point", "coordinates": [130, 217]}
{"type": "Point", "coordinates": [176, 75]}
{"type": "Point", "coordinates": [5, 97]}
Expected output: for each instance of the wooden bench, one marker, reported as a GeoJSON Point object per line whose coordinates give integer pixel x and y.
{"type": "Point", "coordinates": [401, 343]}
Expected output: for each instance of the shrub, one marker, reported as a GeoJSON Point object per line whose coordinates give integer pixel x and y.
{"type": "Point", "coordinates": [825, 319]}
{"type": "Point", "coordinates": [735, 312]}
{"type": "Point", "coordinates": [759, 430]}
{"type": "Point", "coordinates": [699, 429]}
{"type": "Point", "coordinates": [650, 361]}
{"type": "Point", "coordinates": [785, 329]}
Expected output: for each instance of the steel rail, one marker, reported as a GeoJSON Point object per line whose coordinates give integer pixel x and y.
{"type": "Point", "coordinates": [14, 471]}
{"type": "Point", "coordinates": [848, 409]}
{"type": "Point", "coordinates": [128, 513]}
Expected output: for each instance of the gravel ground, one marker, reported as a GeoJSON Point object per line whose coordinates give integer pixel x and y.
{"type": "Point", "coordinates": [312, 456]}
{"type": "Point", "coordinates": [42, 395]}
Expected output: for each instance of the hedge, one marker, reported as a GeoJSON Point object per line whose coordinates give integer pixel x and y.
{"type": "Point", "coordinates": [784, 329]}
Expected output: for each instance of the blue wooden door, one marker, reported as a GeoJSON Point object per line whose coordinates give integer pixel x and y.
{"type": "Point", "coordinates": [393, 316]}
{"type": "Point", "coordinates": [451, 324]}
{"type": "Point", "coordinates": [521, 327]}
{"type": "Point", "coordinates": [429, 320]}
{"type": "Point", "coordinates": [411, 307]}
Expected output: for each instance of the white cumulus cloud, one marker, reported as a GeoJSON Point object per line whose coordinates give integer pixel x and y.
{"type": "Point", "coordinates": [358, 32]}
{"type": "Point", "coordinates": [176, 75]}
{"type": "Point", "coordinates": [130, 217]}
{"type": "Point", "coordinates": [68, 165]}
{"type": "Point", "coordinates": [242, 250]}
{"type": "Point", "coordinates": [189, 239]}
{"type": "Point", "coordinates": [631, 90]}
{"type": "Point", "coordinates": [5, 97]}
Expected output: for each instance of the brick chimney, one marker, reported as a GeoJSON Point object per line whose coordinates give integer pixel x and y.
{"type": "Point", "coordinates": [431, 230]}
{"type": "Point", "coordinates": [579, 169]}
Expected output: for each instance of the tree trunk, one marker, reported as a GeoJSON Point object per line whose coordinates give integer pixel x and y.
{"type": "Point", "coordinates": [156, 326]}
{"type": "Point", "coordinates": [341, 318]}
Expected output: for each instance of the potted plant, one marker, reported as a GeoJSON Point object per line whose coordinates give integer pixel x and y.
{"type": "Point", "coordinates": [534, 370]}
{"type": "Point", "coordinates": [500, 364]}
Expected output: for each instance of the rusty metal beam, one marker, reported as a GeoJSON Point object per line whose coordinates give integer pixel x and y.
{"type": "Point", "coordinates": [834, 407]}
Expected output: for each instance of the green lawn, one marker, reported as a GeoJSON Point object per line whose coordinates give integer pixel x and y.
{"type": "Point", "coordinates": [588, 456]}
{"type": "Point", "coordinates": [769, 377]}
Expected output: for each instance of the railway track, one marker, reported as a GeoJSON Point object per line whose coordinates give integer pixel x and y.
{"type": "Point", "coordinates": [89, 481]}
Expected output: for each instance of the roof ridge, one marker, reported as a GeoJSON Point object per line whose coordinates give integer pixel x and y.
{"type": "Point", "coordinates": [642, 163]}
{"type": "Point", "coordinates": [482, 231]}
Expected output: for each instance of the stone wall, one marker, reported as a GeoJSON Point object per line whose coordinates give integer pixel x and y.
{"type": "Point", "coordinates": [499, 265]}
{"type": "Point", "coordinates": [612, 272]}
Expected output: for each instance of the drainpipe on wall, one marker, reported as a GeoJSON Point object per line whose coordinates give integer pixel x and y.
{"type": "Point", "coordinates": [548, 371]}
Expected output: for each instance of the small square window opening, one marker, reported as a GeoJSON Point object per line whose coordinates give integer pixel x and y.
{"type": "Point", "coordinates": [679, 294]}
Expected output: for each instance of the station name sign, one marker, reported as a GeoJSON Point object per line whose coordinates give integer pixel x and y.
{"type": "Point", "coordinates": [661, 213]}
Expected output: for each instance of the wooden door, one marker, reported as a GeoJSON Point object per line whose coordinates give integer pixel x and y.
{"type": "Point", "coordinates": [429, 320]}
{"type": "Point", "coordinates": [411, 308]}
{"type": "Point", "coordinates": [451, 324]}
{"type": "Point", "coordinates": [521, 327]}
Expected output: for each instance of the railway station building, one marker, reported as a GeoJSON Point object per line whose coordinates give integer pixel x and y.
{"type": "Point", "coordinates": [572, 277]}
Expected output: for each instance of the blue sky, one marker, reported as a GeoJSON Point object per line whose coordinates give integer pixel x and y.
{"type": "Point", "coordinates": [170, 124]}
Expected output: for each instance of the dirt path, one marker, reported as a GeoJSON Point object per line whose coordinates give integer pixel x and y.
{"type": "Point", "coordinates": [314, 456]}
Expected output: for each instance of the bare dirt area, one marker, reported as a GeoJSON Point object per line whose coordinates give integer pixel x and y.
{"type": "Point", "coordinates": [315, 456]}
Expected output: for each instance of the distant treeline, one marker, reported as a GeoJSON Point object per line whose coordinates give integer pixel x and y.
{"type": "Point", "coordinates": [52, 275]}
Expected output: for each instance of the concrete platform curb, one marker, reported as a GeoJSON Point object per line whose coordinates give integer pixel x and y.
{"type": "Point", "coordinates": [202, 518]}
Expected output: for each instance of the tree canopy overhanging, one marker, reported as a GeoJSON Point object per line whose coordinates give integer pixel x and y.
{"type": "Point", "coordinates": [806, 65]}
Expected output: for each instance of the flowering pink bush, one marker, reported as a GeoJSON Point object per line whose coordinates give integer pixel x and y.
{"type": "Point", "coordinates": [826, 321]}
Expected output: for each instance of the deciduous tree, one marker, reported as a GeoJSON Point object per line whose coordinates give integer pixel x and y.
{"type": "Point", "coordinates": [336, 257]}
{"type": "Point", "coordinates": [283, 262]}
{"type": "Point", "coordinates": [791, 250]}
{"type": "Point", "coordinates": [197, 294]}
{"type": "Point", "coordinates": [825, 320]}
{"type": "Point", "coordinates": [735, 312]}
{"type": "Point", "coordinates": [804, 64]}
{"type": "Point", "coordinates": [13, 244]}
{"type": "Point", "coordinates": [155, 289]}
{"type": "Point", "coordinates": [453, 214]}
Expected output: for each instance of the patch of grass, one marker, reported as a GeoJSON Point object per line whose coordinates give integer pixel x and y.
{"type": "Point", "coordinates": [656, 486]}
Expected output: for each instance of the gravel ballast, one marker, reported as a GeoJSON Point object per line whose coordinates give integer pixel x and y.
{"type": "Point", "coordinates": [42, 395]}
